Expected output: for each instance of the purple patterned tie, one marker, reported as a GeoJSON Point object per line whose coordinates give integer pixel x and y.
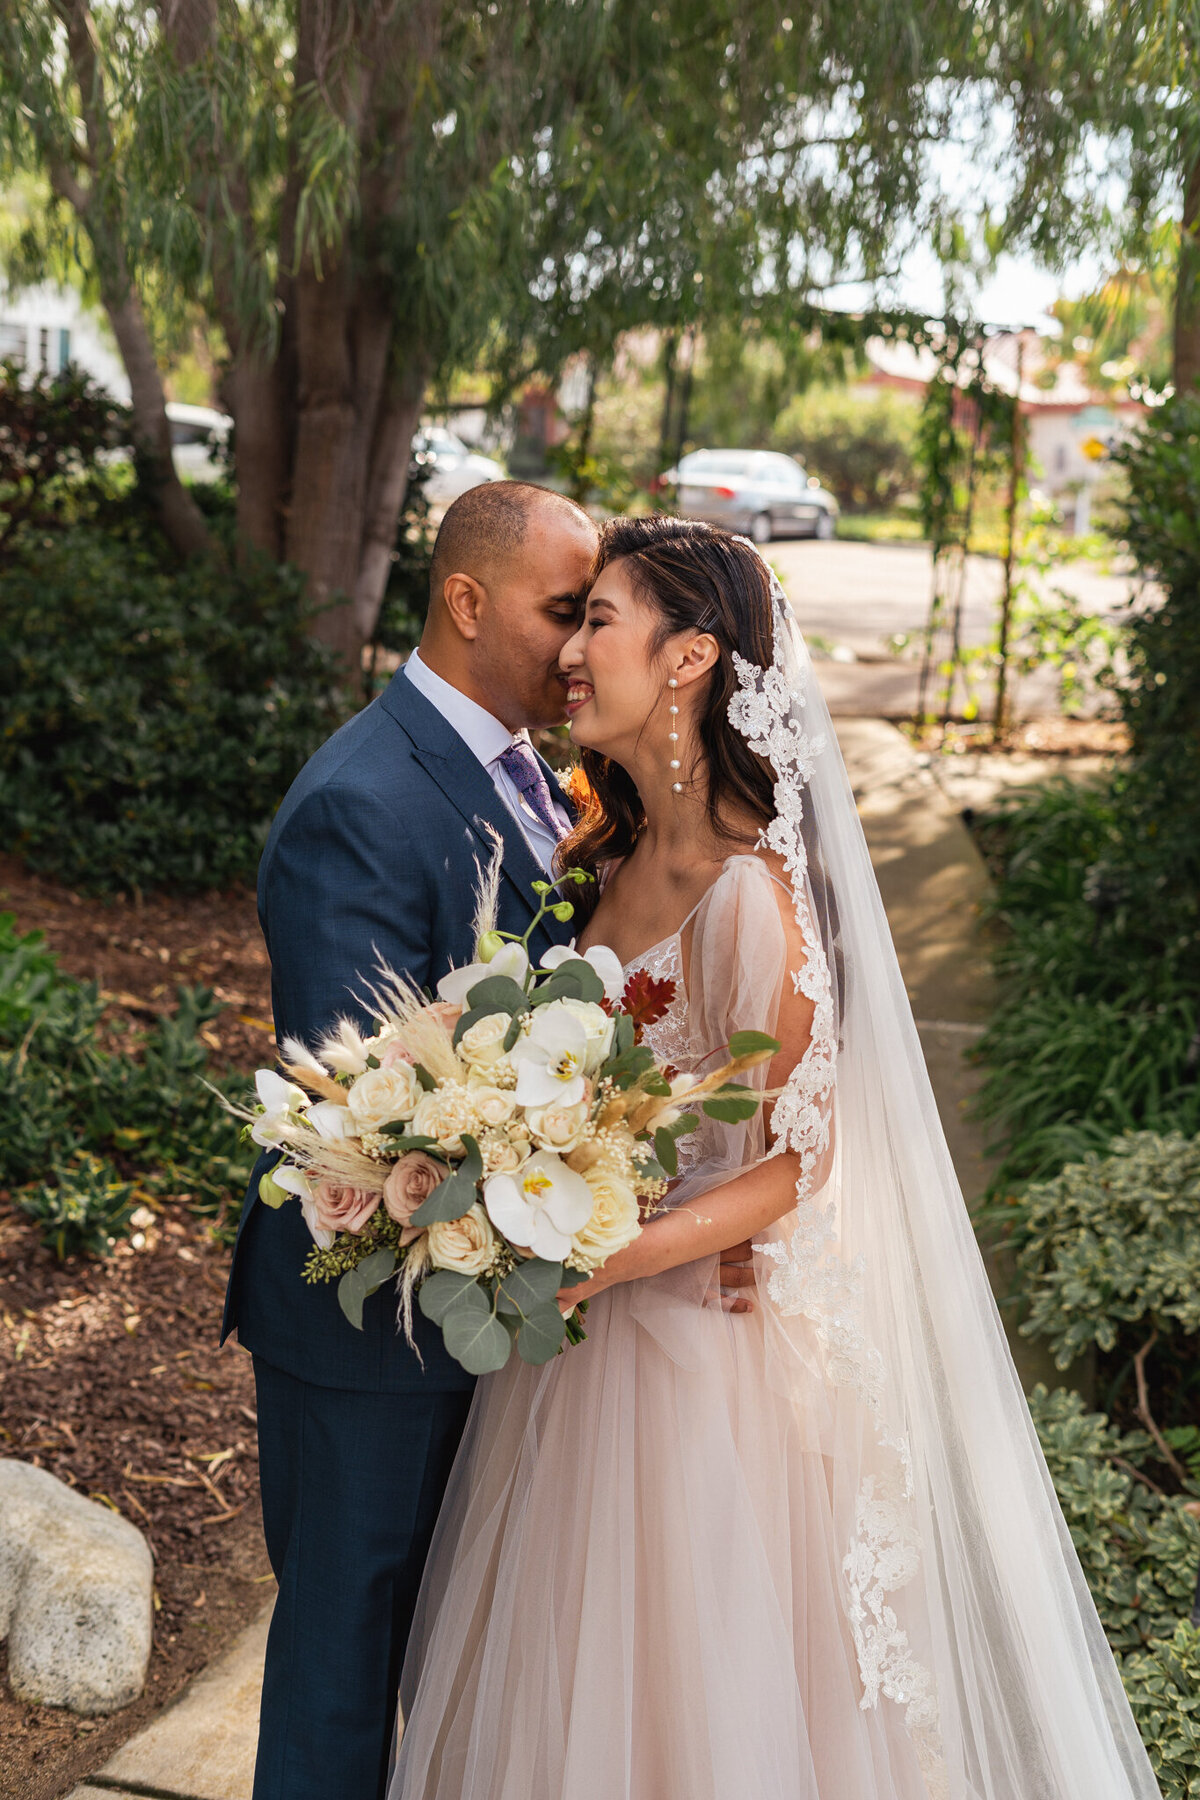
{"type": "Point", "coordinates": [525, 772]}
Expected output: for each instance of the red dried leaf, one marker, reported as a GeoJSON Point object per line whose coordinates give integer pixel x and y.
{"type": "Point", "coordinates": [646, 1000]}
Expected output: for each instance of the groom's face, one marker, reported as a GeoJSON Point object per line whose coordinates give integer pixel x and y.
{"type": "Point", "coordinates": [532, 607]}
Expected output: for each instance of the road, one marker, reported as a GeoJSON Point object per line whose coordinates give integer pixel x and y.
{"type": "Point", "coordinates": [855, 596]}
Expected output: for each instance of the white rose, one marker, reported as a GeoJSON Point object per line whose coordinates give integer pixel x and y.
{"type": "Point", "coordinates": [556, 1127]}
{"type": "Point", "coordinates": [444, 1113]}
{"type": "Point", "coordinates": [615, 1221]}
{"type": "Point", "coordinates": [468, 1245]}
{"type": "Point", "coordinates": [483, 1043]}
{"type": "Point", "coordinates": [381, 1096]}
{"type": "Point", "coordinates": [598, 1026]}
{"type": "Point", "coordinates": [493, 1105]}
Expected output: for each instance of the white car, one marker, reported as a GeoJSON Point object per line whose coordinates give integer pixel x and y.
{"type": "Point", "coordinates": [452, 467]}
{"type": "Point", "coordinates": [194, 430]}
{"type": "Point", "coordinates": [759, 492]}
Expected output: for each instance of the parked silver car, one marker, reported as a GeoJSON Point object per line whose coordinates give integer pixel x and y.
{"type": "Point", "coordinates": [760, 492]}
{"type": "Point", "coordinates": [452, 467]}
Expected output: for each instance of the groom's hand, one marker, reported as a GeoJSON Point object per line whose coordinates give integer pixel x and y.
{"type": "Point", "coordinates": [736, 1276]}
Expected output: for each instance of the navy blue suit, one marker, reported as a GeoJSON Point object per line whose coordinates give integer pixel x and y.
{"type": "Point", "coordinates": [372, 854]}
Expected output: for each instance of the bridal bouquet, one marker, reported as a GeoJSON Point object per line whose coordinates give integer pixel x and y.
{"type": "Point", "coordinates": [493, 1145]}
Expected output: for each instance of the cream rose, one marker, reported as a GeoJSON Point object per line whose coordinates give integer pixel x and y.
{"type": "Point", "coordinates": [493, 1106]}
{"type": "Point", "coordinates": [468, 1246]}
{"type": "Point", "coordinates": [337, 1208]}
{"type": "Point", "coordinates": [557, 1127]}
{"type": "Point", "coordinates": [502, 1153]}
{"type": "Point", "coordinates": [615, 1221]}
{"type": "Point", "coordinates": [483, 1043]}
{"type": "Point", "coordinates": [381, 1096]}
{"type": "Point", "coordinates": [444, 1113]}
{"type": "Point", "coordinates": [410, 1182]}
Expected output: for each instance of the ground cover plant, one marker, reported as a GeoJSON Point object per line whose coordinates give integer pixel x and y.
{"type": "Point", "coordinates": [90, 1134]}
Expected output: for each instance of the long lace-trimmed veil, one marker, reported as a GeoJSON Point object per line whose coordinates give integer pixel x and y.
{"type": "Point", "coordinates": [966, 1601]}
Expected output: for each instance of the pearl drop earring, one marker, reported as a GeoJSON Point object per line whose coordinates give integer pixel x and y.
{"type": "Point", "coordinates": [673, 735]}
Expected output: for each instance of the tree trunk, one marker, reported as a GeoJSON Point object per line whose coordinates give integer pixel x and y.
{"type": "Point", "coordinates": [181, 518]}
{"type": "Point", "coordinates": [1187, 288]}
{"type": "Point", "coordinates": [388, 484]}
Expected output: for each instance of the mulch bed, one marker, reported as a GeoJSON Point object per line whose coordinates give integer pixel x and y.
{"type": "Point", "coordinates": [110, 1376]}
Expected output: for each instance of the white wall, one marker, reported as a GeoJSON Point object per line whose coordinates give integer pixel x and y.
{"type": "Point", "coordinates": [32, 326]}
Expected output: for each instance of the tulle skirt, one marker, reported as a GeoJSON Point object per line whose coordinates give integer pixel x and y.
{"type": "Point", "coordinates": [636, 1590]}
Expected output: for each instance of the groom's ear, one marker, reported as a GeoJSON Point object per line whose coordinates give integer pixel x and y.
{"type": "Point", "coordinates": [464, 598]}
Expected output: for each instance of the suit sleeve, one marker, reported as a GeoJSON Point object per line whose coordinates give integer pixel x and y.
{"type": "Point", "coordinates": [345, 887]}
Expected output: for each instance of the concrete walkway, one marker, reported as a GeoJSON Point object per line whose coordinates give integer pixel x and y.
{"type": "Point", "coordinates": [932, 880]}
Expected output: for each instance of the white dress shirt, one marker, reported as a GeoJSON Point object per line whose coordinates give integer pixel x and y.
{"type": "Point", "coordinates": [487, 740]}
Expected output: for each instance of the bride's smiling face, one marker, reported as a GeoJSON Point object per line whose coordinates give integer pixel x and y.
{"type": "Point", "coordinates": [617, 669]}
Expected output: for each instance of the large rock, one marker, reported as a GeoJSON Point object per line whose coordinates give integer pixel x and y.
{"type": "Point", "coordinates": [76, 1595]}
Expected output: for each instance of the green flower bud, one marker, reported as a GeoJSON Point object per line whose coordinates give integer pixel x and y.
{"type": "Point", "coordinates": [270, 1192]}
{"type": "Point", "coordinates": [563, 911]}
{"type": "Point", "coordinates": [489, 945]}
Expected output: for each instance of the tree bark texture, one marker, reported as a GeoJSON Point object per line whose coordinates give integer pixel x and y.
{"type": "Point", "coordinates": [1187, 288]}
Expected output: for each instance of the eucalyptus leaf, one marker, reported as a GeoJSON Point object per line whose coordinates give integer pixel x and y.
{"type": "Point", "coordinates": [456, 1195]}
{"type": "Point", "coordinates": [409, 1140]}
{"type": "Point", "coordinates": [443, 1292]}
{"type": "Point", "coordinates": [540, 1335]}
{"type": "Point", "coordinates": [358, 1284]}
{"type": "Point", "coordinates": [574, 980]}
{"type": "Point", "coordinates": [624, 1034]}
{"type": "Point", "coordinates": [753, 1043]}
{"type": "Point", "coordinates": [477, 1340]}
{"type": "Point", "coordinates": [424, 1077]}
{"type": "Point", "coordinates": [531, 1285]}
{"type": "Point", "coordinates": [573, 1277]}
{"type": "Point", "coordinates": [512, 1034]}
{"type": "Point", "coordinates": [730, 1106]}
{"type": "Point", "coordinates": [497, 993]}
{"type": "Point", "coordinates": [664, 1149]}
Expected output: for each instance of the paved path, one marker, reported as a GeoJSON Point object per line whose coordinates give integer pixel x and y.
{"type": "Point", "coordinates": [932, 879]}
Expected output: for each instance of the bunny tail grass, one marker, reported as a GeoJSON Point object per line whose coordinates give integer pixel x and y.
{"type": "Point", "coordinates": [487, 892]}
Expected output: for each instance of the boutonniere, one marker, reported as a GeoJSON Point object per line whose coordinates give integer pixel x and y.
{"type": "Point", "coordinates": [575, 785]}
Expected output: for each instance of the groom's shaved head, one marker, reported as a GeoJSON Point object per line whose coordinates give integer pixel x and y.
{"type": "Point", "coordinates": [510, 566]}
{"type": "Point", "coordinates": [488, 525]}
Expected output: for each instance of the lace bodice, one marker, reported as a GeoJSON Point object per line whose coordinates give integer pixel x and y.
{"type": "Point", "coordinates": [670, 1037]}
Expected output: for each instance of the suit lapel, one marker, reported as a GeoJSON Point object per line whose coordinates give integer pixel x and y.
{"type": "Point", "coordinates": [465, 783]}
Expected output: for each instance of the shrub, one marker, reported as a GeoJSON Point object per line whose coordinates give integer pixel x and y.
{"type": "Point", "coordinates": [151, 717]}
{"type": "Point", "coordinates": [1163, 1685]}
{"type": "Point", "coordinates": [107, 1126]}
{"type": "Point", "coordinates": [860, 442]}
{"type": "Point", "coordinates": [54, 430]}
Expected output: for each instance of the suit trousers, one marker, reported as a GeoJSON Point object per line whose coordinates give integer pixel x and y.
{"type": "Point", "coordinates": [351, 1485]}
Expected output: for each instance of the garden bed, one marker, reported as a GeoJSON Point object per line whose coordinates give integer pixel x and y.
{"type": "Point", "coordinates": [110, 1376]}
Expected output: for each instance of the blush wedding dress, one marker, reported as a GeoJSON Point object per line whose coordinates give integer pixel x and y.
{"type": "Point", "coordinates": [808, 1553]}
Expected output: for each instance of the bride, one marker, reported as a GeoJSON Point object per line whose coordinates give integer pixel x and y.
{"type": "Point", "coordinates": [808, 1551]}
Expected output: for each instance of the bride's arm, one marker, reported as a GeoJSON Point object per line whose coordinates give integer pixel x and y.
{"type": "Point", "coordinates": [743, 1206]}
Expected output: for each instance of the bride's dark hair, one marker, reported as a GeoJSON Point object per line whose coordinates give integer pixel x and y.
{"type": "Point", "coordinates": [696, 578]}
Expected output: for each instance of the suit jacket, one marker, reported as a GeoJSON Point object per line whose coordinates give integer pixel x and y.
{"type": "Point", "coordinates": [372, 854]}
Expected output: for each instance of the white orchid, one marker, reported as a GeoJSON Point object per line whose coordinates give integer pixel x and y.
{"type": "Point", "coordinates": [278, 1098]}
{"type": "Point", "coordinates": [605, 962]}
{"type": "Point", "coordinates": [330, 1121]}
{"type": "Point", "coordinates": [541, 1206]}
{"type": "Point", "coordinates": [294, 1181]}
{"type": "Point", "coordinates": [551, 1056]}
{"type": "Point", "coordinates": [511, 960]}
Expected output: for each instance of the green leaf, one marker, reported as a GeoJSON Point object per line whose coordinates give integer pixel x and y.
{"type": "Point", "coordinates": [358, 1284]}
{"type": "Point", "coordinates": [751, 1043]}
{"type": "Point", "coordinates": [477, 1340]}
{"type": "Point", "coordinates": [572, 1278]}
{"type": "Point", "coordinates": [683, 1124]}
{"type": "Point", "coordinates": [424, 1077]}
{"type": "Point", "coordinates": [512, 1034]}
{"type": "Point", "coordinates": [573, 980]}
{"type": "Point", "coordinates": [443, 1292]}
{"type": "Point", "coordinates": [456, 1195]}
{"type": "Point", "coordinates": [529, 1286]}
{"type": "Point", "coordinates": [664, 1149]}
{"type": "Point", "coordinates": [731, 1105]}
{"type": "Point", "coordinates": [623, 1035]}
{"type": "Point", "coordinates": [471, 1018]}
{"type": "Point", "coordinates": [407, 1140]}
{"type": "Point", "coordinates": [540, 1335]}
{"type": "Point", "coordinates": [497, 993]}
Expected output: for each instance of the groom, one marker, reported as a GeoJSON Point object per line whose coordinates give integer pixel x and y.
{"type": "Point", "coordinates": [372, 855]}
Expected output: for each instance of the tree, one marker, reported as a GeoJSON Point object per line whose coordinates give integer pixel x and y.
{"type": "Point", "coordinates": [365, 195]}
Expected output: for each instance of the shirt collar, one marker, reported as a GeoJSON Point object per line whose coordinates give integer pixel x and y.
{"type": "Point", "coordinates": [482, 733]}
